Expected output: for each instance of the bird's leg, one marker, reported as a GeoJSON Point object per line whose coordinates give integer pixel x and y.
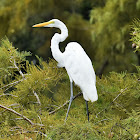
{"type": "Point", "coordinates": [87, 109]}
{"type": "Point", "coordinates": [71, 98]}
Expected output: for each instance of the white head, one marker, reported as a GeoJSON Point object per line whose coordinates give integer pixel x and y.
{"type": "Point", "coordinates": [57, 24]}
{"type": "Point", "coordinates": [52, 23]}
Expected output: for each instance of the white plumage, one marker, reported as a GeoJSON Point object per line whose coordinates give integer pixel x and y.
{"type": "Point", "coordinates": [80, 70]}
{"type": "Point", "coordinates": [75, 61]}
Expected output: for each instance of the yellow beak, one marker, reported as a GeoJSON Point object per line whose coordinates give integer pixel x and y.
{"type": "Point", "coordinates": [43, 24]}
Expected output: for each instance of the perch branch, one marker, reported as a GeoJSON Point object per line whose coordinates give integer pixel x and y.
{"type": "Point", "coordinates": [111, 102]}
{"type": "Point", "coordinates": [64, 104]}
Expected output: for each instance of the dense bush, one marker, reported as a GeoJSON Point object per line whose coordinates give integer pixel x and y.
{"type": "Point", "coordinates": [34, 99]}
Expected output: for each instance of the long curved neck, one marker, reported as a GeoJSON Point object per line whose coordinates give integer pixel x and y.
{"type": "Point", "coordinates": [57, 54]}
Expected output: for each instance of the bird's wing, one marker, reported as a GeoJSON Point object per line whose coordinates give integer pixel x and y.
{"type": "Point", "coordinates": [78, 64]}
{"type": "Point", "coordinates": [80, 70]}
{"type": "Point", "coordinates": [60, 65]}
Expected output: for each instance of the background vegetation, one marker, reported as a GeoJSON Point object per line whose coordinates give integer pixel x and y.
{"type": "Point", "coordinates": [34, 93]}
{"type": "Point", "coordinates": [102, 27]}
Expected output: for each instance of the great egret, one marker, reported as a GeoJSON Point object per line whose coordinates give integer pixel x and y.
{"type": "Point", "coordinates": [76, 62]}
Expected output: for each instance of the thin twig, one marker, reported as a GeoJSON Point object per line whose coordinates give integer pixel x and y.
{"type": "Point", "coordinates": [102, 120]}
{"type": "Point", "coordinates": [7, 94]}
{"type": "Point", "coordinates": [41, 133]}
{"type": "Point", "coordinates": [116, 124]}
{"type": "Point", "coordinates": [123, 128]}
{"type": "Point", "coordinates": [59, 107]}
{"type": "Point", "coordinates": [15, 104]}
{"type": "Point", "coordinates": [38, 100]}
{"type": "Point", "coordinates": [9, 106]}
{"type": "Point", "coordinates": [13, 111]}
{"type": "Point", "coordinates": [24, 132]}
{"type": "Point", "coordinates": [64, 104]}
{"type": "Point", "coordinates": [22, 116]}
{"type": "Point", "coordinates": [21, 73]}
{"type": "Point", "coordinates": [13, 84]}
{"type": "Point", "coordinates": [125, 110]}
{"type": "Point", "coordinates": [16, 119]}
{"type": "Point", "coordinates": [111, 102]}
{"type": "Point", "coordinates": [39, 119]}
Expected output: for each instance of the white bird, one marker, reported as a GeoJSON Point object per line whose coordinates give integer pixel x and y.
{"type": "Point", "coordinates": [76, 62]}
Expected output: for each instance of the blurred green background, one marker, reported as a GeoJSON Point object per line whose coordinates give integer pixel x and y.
{"type": "Point", "coordinates": [102, 27]}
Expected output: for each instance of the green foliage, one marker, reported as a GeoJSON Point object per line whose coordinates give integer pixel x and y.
{"type": "Point", "coordinates": [17, 23]}
{"type": "Point", "coordinates": [105, 38]}
{"type": "Point", "coordinates": [110, 35]}
{"type": "Point", "coordinates": [13, 20]}
{"type": "Point", "coordinates": [35, 93]}
{"type": "Point", "coordinates": [20, 90]}
{"type": "Point", "coordinates": [136, 34]}
{"type": "Point", "coordinates": [10, 58]}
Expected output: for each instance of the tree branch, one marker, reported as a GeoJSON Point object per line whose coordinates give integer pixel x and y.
{"type": "Point", "coordinates": [64, 104]}
{"type": "Point", "coordinates": [22, 116]}
{"type": "Point", "coordinates": [13, 111]}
